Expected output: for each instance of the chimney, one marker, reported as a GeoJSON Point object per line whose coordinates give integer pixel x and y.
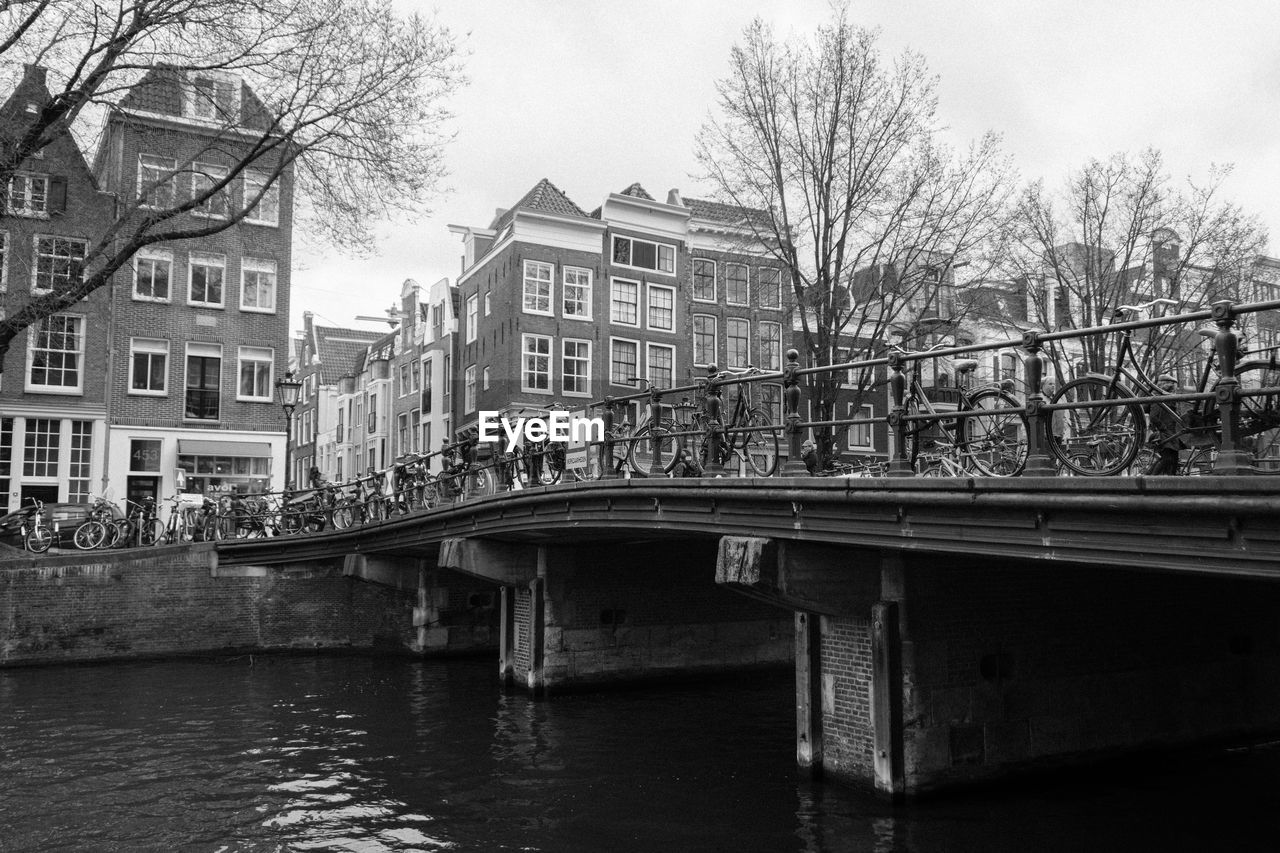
{"type": "Point", "coordinates": [673, 197]}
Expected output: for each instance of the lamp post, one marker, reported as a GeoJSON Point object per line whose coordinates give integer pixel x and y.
{"type": "Point", "coordinates": [287, 390]}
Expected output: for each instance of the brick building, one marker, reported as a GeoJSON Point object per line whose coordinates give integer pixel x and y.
{"type": "Point", "coordinates": [200, 326]}
{"type": "Point", "coordinates": [52, 399]}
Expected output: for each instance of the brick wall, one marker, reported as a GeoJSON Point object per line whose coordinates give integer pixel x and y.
{"type": "Point", "coordinates": [846, 696]}
{"type": "Point", "coordinates": [113, 606]}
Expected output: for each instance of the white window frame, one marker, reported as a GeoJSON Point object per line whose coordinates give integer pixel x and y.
{"type": "Point", "coordinates": [760, 289]}
{"type": "Point", "coordinates": [657, 254]}
{"type": "Point", "coordinates": [267, 210]}
{"type": "Point", "coordinates": [28, 207]}
{"type": "Point", "coordinates": [488, 305]}
{"type": "Point", "coordinates": [565, 284]}
{"type": "Point", "coordinates": [36, 255]}
{"type": "Point", "coordinates": [152, 254]}
{"type": "Point", "coordinates": [715, 339]}
{"type": "Point", "coordinates": [33, 335]}
{"type": "Point", "coordinates": [714, 285]}
{"type": "Point", "coordinates": [565, 359]}
{"type": "Point", "coordinates": [4, 261]}
{"type": "Point", "coordinates": [260, 266]}
{"type": "Point", "coordinates": [525, 373]}
{"type": "Point", "coordinates": [639, 367]}
{"type": "Point", "coordinates": [870, 412]}
{"type": "Point", "coordinates": [648, 313]}
{"type": "Point", "coordinates": [469, 389]}
{"type": "Point", "coordinates": [150, 174]}
{"type": "Point", "coordinates": [201, 349]}
{"type": "Point", "coordinates": [206, 260]}
{"type": "Point", "coordinates": [746, 270]}
{"type": "Point", "coordinates": [204, 176]}
{"type": "Point", "coordinates": [205, 109]}
{"type": "Point", "coordinates": [472, 314]}
{"type": "Point", "coordinates": [728, 357]}
{"type": "Point", "coordinates": [255, 356]}
{"type": "Point", "coordinates": [760, 344]}
{"type": "Point", "coordinates": [550, 282]}
{"type": "Point", "coordinates": [613, 318]}
{"type": "Point", "coordinates": [150, 346]}
{"type": "Point", "coordinates": [649, 347]}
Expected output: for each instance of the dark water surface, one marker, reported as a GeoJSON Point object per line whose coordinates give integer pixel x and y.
{"type": "Point", "coordinates": [356, 754]}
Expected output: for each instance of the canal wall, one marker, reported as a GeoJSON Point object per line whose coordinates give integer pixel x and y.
{"type": "Point", "coordinates": [173, 601]}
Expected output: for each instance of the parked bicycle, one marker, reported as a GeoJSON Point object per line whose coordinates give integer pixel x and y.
{"type": "Point", "coordinates": [1106, 438]}
{"type": "Point", "coordinates": [99, 530]}
{"type": "Point", "coordinates": [36, 535]}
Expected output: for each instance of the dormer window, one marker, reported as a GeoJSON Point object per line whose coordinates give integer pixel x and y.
{"type": "Point", "coordinates": [211, 98]}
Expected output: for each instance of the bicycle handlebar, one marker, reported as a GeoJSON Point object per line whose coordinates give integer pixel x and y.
{"type": "Point", "coordinates": [1146, 306]}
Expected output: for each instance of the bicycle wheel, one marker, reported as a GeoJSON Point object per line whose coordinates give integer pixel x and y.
{"type": "Point", "coordinates": [110, 534]}
{"type": "Point", "coordinates": [124, 533]}
{"type": "Point", "coordinates": [759, 444]}
{"type": "Point", "coordinates": [480, 482]}
{"type": "Point", "coordinates": [90, 535]}
{"type": "Point", "coordinates": [1200, 462]}
{"type": "Point", "coordinates": [1095, 441]}
{"type": "Point", "coordinates": [151, 532]}
{"type": "Point", "coordinates": [291, 522]}
{"type": "Point", "coordinates": [993, 443]}
{"type": "Point", "coordinates": [651, 443]}
{"type": "Point", "coordinates": [39, 539]}
{"type": "Point", "coordinates": [1260, 416]}
{"type": "Point", "coordinates": [925, 438]}
{"type": "Point", "coordinates": [374, 510]}
{"type": "Point", "coordinates": [552, 468]}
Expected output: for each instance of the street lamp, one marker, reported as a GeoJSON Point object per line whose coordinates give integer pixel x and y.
{"type": "Point", "coordinates": [287, 391]}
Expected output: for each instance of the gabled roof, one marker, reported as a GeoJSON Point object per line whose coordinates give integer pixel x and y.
{"type": "Point", "coordinates": [727, 214]}
{"type": "Point", "coordinates": [545, 197]}
{"type": "Point", "coordinates": [340, 351]}
{"type": "Point", "coordinates": [636, 191]}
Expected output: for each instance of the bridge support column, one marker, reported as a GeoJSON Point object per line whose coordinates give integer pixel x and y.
{"type": "Point", "coordinates": [506, 636]}
{"type": "Point", "coordinates": [809, 693]}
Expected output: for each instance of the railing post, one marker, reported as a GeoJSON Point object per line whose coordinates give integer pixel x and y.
{"type": "Point", "coordinates": [899, 466]}
{"type": "Point", "coordinates": [655, 438]}
{"type": "Point", "coordinates": [714, 467]}
{"type": "Point", "coordinates": [1232, 459]}
{"type": "Point", "coordinates": [1038, 462]}
{"type": "Point", "coordinates": [607, 471]}
{"type": "Point", "coordinates": [794, 466]}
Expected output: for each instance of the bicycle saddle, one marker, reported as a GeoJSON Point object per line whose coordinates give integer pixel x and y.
{"type": "Point", "coordinates": [964, 365]}
{"type": "Point", "coordinates": [1207, 333]}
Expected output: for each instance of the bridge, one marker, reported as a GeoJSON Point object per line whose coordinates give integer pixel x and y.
{"type": "Point", "coordinates": [942, 631]}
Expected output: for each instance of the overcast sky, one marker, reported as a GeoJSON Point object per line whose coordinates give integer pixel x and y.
{"type": "Point", "coordinates": [595, 95]}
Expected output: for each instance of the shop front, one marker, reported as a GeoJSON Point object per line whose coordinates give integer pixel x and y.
{"type": "Point", "coordinates": [221, 467]}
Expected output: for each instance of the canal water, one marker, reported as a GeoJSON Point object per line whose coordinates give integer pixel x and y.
{"type": "Point", "coordinates": [359, 754]}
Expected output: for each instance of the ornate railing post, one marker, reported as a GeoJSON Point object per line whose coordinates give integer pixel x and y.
{"type": "Point", "coordinates": [794, 466]}
{"type": "Point", "coordinates": [1232, 459]}
{"type": "Point", "coordinates": [607, 470]}
{"type": "Point", "coordinates": [1038, 420]}
{"type": "Point", "coordinates": [715, 427]}
{"type": "Point", "coordinates": [655, 437]}
{"type": "Point", "coordinates": [899, 466]}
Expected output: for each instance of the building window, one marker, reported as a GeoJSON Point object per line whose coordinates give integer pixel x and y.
{"type": "Point", "coordinates": [473, 317]}
{"type": "Point", "coordinates": [148, 366]}
{"type": "Point", "coordinates": [257, 285]}
{"type": "Point", "coordinates": [575, 364]}
{"type": "Point", "coordinates": [155, 181]}
{"type": "Point", "coordinates": [537, 287]}
{"type": "Point", "coordinates": [40, 457]}
{"type": "Point", "coordinates": [735, 285]}
{"type": "Point", "coordinates": [860, 437]}
{"type": "Point", "coordinates": [577, 293]}
{"type": "Point", "coordinates": [152, 274]}
{"type": "Point", "coordinates": [770, 288]}
{"type": "Point", "coordinates": [662, 308]}
{"type": "Point", "coordinates": [771, 401]}
{"type": "Point", "coordinates": [415, 417]}
{"type": "Point", "coordinates": [437, 321]}
{"type": "Point", "coordinates": [469, 389]}
{"type": "Point", "coordinates": [81, 457]}
{"type": "Point", "coordinates": [4, 261]}
{"type": "Point", "coordinates": [488, 303]}
{"type": "Point", "coordinates": [535, 354]}
{"type": "Point", "coordinates": [661, 360]}
{"type": "Point", "coordinates": [402, 376]}
{"type": "Point", "coordinates": [704, 339]}
{"type": "Point", "coordinates": [255, 374]}
{"type": "Point", "coordinates": [204, 377]}
{"type": "Point", "coordinates": [211, 98]}
{"type": "Point", "coordinates": [704, 280]}
{"type": "Point", "coordinates": [624, 302]}
{"type": "Point", "coordinates": [59, 263]}
{"type": "Point", "coordinates": [623, 362]}
{"type": "Point", "coordinates": [415, 376]}
{"type": "Point", "coordinates": [206, 278]}
{"type": "Point", "coordinates": [55, 353]}
{"type": "Point", "coordinates": [203, 178]}
{"type": "Point", "coordinates": [484, 379]}
{"type": "Point", "coordinates": [447, 378]}
{"type": "Point", "coordinates": [425, 397]}
{"type": "Point", "coordinates": [737, 340]}
{"type": "Point", "coordinates": [631, 252]}
{"type": "Point", "coordinates": [402, 433]}
{"type": "Point", "coordinates": [28, 195]}
{"type": "Point", "coordinates": [267, 210]}
{"type": "Point", "coordinates": [6, 460]}
{"type": "Point", "coordinates": [770, 346]}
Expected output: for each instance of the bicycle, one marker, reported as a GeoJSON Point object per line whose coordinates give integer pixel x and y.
{"type": "Point", "coordinates": [1106, 438]}
{"type": "Point", "coordinates": [36, 535]}
{"type": "Point", "coordinates": [99, 529]}
{"type": "Point", "coordinates": [980, 436]}
{"type": "Point", "coordinates": [143, 526]}
{"type": "Point", "coordinates": [181, 526]}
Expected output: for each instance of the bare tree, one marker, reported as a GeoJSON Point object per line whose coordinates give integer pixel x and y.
{"type": "Point", "coordinates": [866, 208]}
{"type": "Point", "coordinates": [345, 96]}
{"type": "Point", "coordinates": [1121, 231]}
